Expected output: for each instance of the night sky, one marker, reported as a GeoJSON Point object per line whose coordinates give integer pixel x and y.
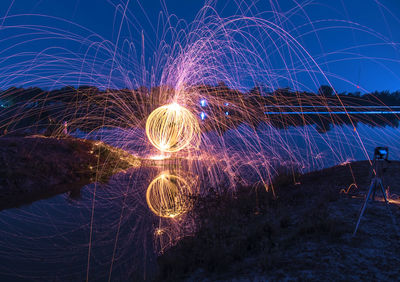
{"type": "Point", "coordinates": [366, 54]}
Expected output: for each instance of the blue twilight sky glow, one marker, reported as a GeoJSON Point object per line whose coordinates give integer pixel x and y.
{"type": "Point", "coordinates": [360, 56]}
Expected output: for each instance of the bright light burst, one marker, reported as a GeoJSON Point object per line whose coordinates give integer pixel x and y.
{"type": "Point", "coordinates": [171, 128]}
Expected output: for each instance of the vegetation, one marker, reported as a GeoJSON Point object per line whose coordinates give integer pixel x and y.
{"type": "Point", "coordinates": [89, 108]}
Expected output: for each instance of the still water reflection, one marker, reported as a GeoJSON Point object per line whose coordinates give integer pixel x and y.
{"type": "Point", "coordinates": [125, 223]}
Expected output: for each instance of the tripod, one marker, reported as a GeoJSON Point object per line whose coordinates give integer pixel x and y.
{"type": "Point", "coordinates": [381, 155]}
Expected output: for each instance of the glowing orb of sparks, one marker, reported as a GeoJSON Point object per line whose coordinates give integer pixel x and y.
{"type": "Point", "coordinates": [168, 196]}
{"type": "Point", "coordinates": [171, 128]}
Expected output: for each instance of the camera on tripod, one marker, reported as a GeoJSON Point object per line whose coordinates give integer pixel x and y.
{"type": "Point", "coordinates": [381, 153]}
{"type": "Point", "coordinates": [379, 166]}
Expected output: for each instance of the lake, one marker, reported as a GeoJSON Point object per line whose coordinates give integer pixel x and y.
{"type": "Point", "coordinates": [113, 225]}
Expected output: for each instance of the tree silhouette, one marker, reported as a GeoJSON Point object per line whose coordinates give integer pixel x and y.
{"type": "Point", "coordinates": [325, 90]}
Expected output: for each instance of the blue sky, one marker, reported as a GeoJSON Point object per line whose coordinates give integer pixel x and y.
{"type": "Point", "coordinates": [362, 56]}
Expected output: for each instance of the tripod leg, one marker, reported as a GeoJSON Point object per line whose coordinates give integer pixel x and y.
{"type": "Point", "coordinates": [383, 192]}
{"type": "Point", "coordinates": [364, 205]}
{"type": "Point", "coordinates": [373, 186]}
{"type": "Point", "coordinates": [388, 208]}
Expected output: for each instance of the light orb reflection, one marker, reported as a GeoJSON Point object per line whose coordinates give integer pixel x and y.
{"type": "Point", "coordinates": [168, 196]}
{"type": "Point", "coordinates": [170, 128]}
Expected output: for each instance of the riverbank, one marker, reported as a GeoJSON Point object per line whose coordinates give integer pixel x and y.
{"type": "Point", "coordinates": [303, 234]}
{"type": "Point", "coordinates": [37, 167]}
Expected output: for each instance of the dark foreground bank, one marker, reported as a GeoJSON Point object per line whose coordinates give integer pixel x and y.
{"type": "Point", "coordinates": [37, 167]}
{"type": "Point", "coordinates": [305, 233]}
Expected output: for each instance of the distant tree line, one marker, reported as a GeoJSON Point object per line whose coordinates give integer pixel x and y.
{"type": "Point", "coordinates": [89, 108]}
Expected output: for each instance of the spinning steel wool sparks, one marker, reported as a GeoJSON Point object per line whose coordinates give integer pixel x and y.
{"type": "Point", "coordinates": [171, 128]}
{"type": "Point", "coordinates": [227, 99]}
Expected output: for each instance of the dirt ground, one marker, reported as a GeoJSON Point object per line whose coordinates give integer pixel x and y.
{"type": "Point", "coordinates": [303, 234]}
